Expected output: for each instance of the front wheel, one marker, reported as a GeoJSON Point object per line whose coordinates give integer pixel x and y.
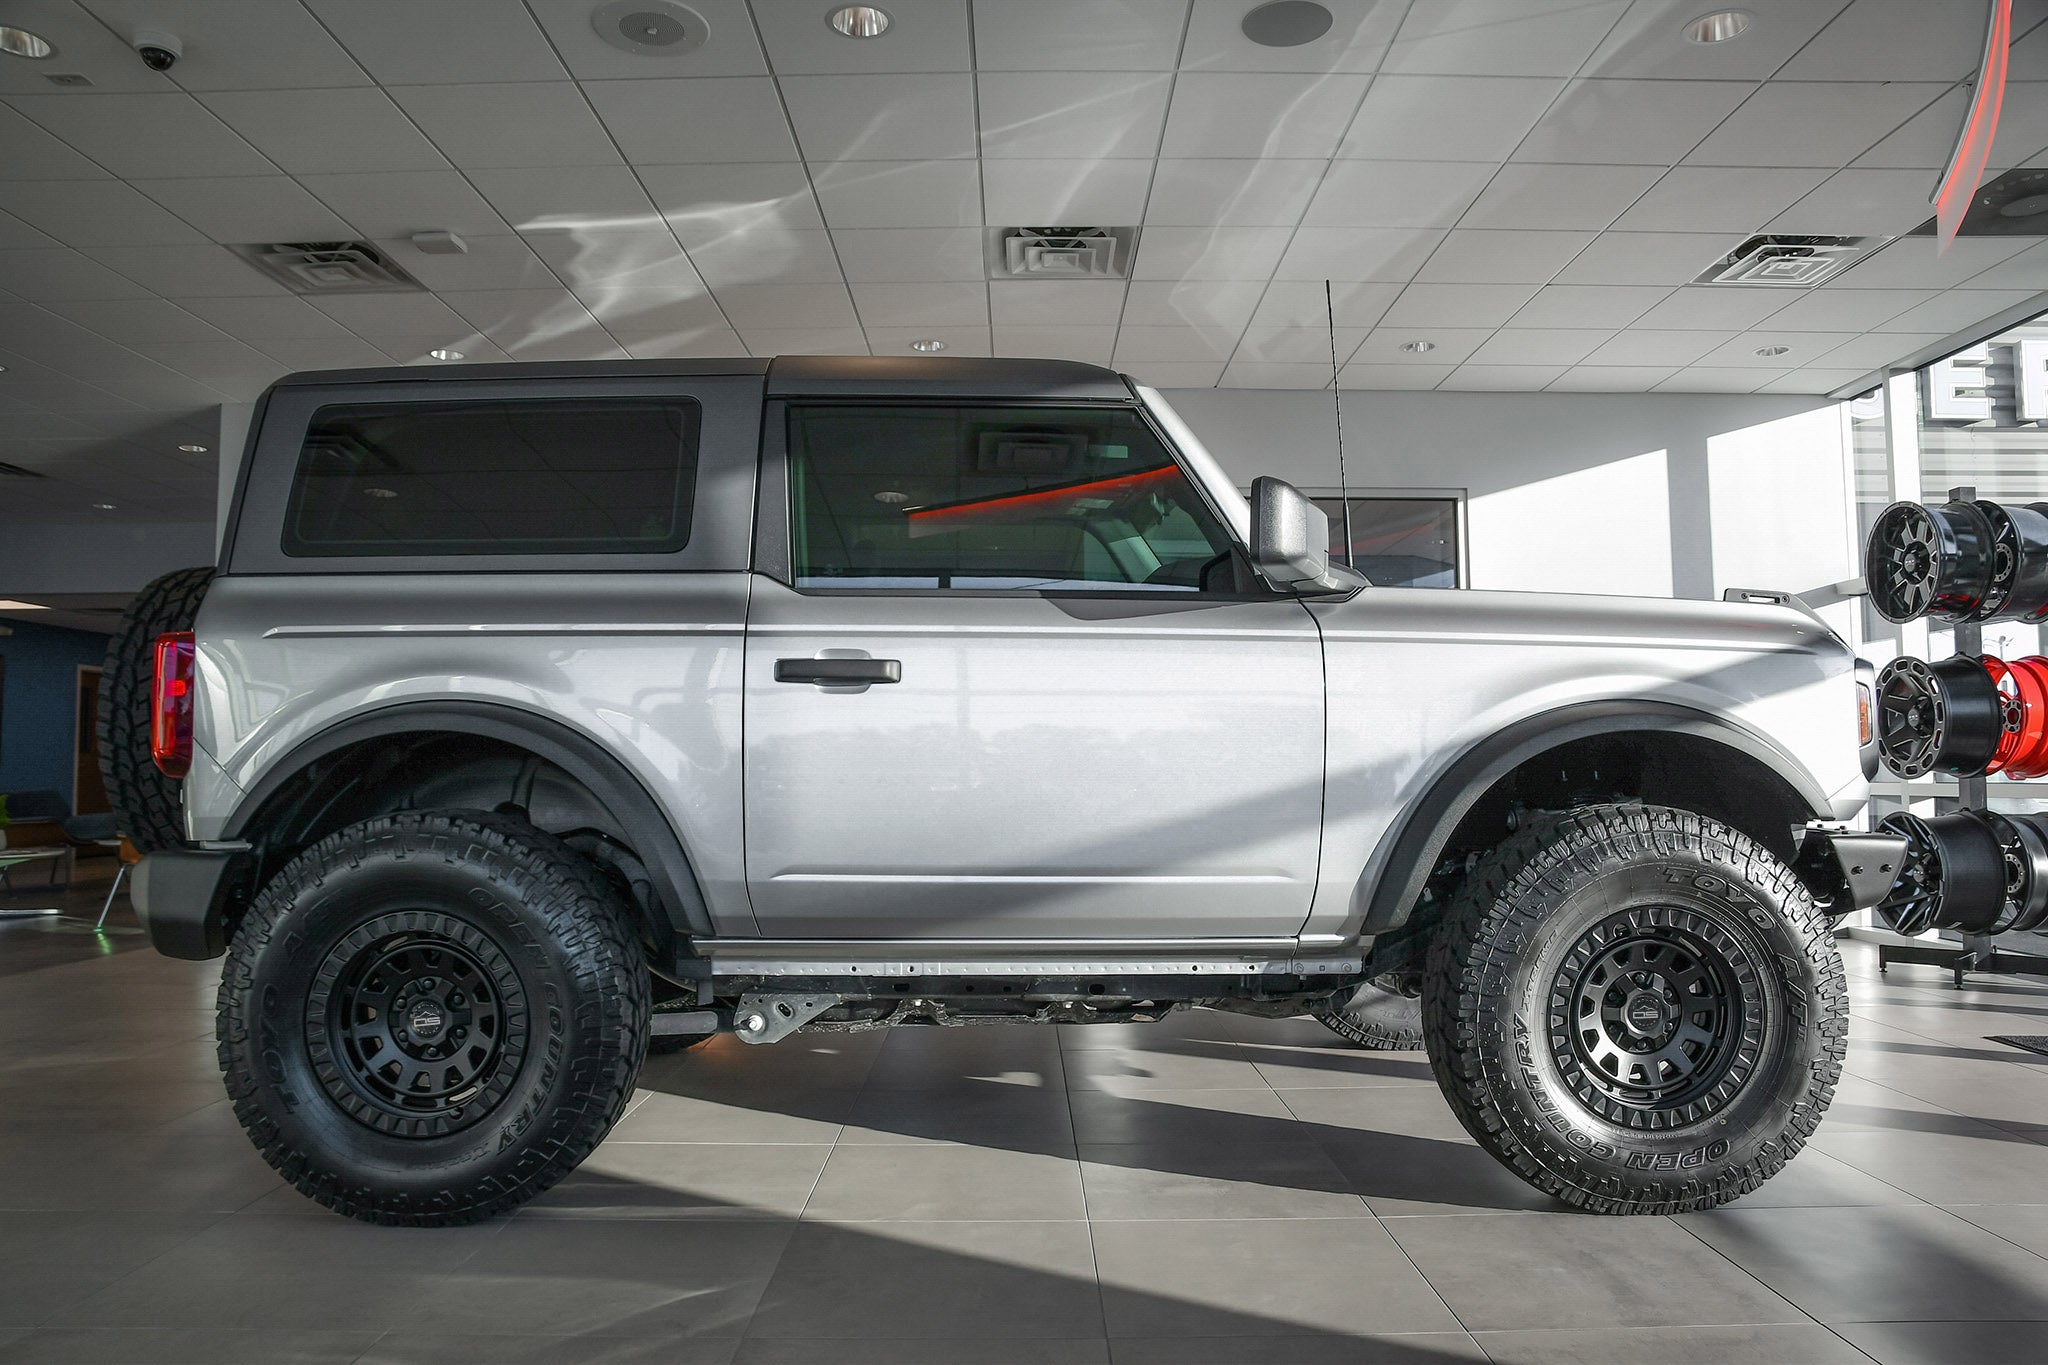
{"type": "Point", "coordinates": [432, 1017]}
{"type": "Point", "coordinates": [1636, 1009]}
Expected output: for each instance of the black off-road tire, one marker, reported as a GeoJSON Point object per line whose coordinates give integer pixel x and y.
{"type": "Point", "coordinates": [386, 920]}
{"type": "Point", "coordinates": [150, 805]}
{"type": "Point", "coordinates": [1379, 1015]}
{"type": "Point", "coordinates": [1521, 987]}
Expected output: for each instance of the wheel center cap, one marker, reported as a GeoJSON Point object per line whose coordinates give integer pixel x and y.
{"type": "Point", "coordinates": [426, 1019]}
{"type": "Point", "coordinates": [1646, 1014]}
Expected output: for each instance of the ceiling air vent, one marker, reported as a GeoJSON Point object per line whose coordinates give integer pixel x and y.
{"type": "Point", "coordinates": [327, 267]}
{"type": "Point", "coordinates": [1784, 262]}
{"type": "Point", "coordinates": [15, 471]}
{"type": "Point", "coordinates": [1060, 253]}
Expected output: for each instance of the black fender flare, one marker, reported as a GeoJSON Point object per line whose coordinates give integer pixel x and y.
{"type": "Point", "coordinates": [583, 758]}
{"type": "Point", "coordinates": [1426, 826]}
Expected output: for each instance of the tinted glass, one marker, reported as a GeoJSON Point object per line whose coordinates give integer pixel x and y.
{"type": "Point", "coordinates": [1035, 499]}
{"type": "Point", "coordinates": [540, 476]}
{"type": "Point", "coordinates": [1398, 542]}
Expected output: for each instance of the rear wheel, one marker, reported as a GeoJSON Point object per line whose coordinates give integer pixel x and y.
{"type": "Point", "coordinates": [150, 805]}
{"type": "Point", "coordinates": [1384, 1014]}
{"type": "Point", "coordinates": [431, 1018]}
{"type": "Point", "coordinates": [1637, 1009]}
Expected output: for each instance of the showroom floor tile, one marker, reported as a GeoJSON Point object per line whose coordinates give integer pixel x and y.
{"type": "Point", "coordinates": [1183, 1192]}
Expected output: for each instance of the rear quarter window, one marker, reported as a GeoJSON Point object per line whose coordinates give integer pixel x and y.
{"type": "Point", "coordinates": [533, 476]}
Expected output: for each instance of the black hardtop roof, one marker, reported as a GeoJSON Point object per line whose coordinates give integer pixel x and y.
{"type": "Point", "coordinates": [849, 376]}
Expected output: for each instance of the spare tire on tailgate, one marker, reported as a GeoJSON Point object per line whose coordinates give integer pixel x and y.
{"type": "Point", "coordinates": [150, 806]}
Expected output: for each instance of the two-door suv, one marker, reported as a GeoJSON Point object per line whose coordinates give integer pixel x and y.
{"type": "Point", "coordinates": [539, 714]}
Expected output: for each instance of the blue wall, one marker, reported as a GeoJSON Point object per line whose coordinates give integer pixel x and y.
{"type": "Point", "coordinates": [37, 741]}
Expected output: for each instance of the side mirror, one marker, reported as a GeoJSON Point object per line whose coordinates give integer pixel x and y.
{"type": "Point", "coordinates": [1291, 539]}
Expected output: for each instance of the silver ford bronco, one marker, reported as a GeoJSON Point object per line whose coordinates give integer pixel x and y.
{"type": "Point", "coordinates": [541, 715]}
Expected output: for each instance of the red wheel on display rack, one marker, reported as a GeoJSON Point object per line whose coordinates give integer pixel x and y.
{"type": "Point", "coordinates": [2024, 689]}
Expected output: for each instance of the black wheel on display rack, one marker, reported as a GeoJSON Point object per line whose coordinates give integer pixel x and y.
{"type": "Point", "coordinates": [2031, 834]}
{"type": "Point", "coordinates": [2018, 585]}
{"type": "Point", "coordinates": [1929, 561]}
{"type": "Point", "coordinates": [1953, 875]}
{"type": "Point", "coordinates": [1939, 717]}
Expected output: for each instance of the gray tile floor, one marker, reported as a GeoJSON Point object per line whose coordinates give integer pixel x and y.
{"type": "Point", "coordinates": [1209, 1189]}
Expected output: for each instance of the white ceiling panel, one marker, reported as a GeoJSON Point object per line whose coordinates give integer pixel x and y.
{"type": "Point", "coordinates": [1247, 114]}
{"type": "Point", "coordinates": [873, 194]}
{"type": "Point", "coordinates": [1506, 256]}
{"type": "Point", "coordinates": [134, 322]}
{"type": "Point", "coordinates": [405, 42]}
{"type": "Point", "coordinates": [1063, 116]}
{"type": "Point", "coordinates": [400, 203]}
{"type": "Point", "coordinates": [959, 303]}
{"type": "Point", "coordinates": [1647, 258]}
{"type": "Point", "coordinates": [923, 35]}
{"type": "Point", "coordinates": [674, 122]}
{"type": "Point", "coordinates": [1815, 379]}
{"type": "Point", "coordinates": [1064, 193]}
{"type": "Point", "coordinates": [138, 135]}
{"type": "Point", "coordinates": [1648, 41]}
{"type": "Point", "coordinates": [1297, 346]}
{"type": "Point", "coordinates": [1859, 200]}
{"type": "Point", "coordinates": [958, 341]}
{"type": "Point", "coordinates": [259, 208]}
{"type": "Point", "coordinates": [1078, 35]}
{"type": "Point", "coordinates": [1398, 193]}
{"type": "Point", "coordinates": [638, 317]}
{"type": "Point", "coordinates": [1653, 346]}
{"type": "Point", "coordinates": [60, 273]}
{"type": "Point", "coordinates": [1713, 309]}
{"type": "Point", "coordinates": [1448, 345]}
{"type": "Point", "coordinates": [1843, 308]}
{"type": "Point", "coordinates": [719, 201]}
{"type": "Point", "coordinates": [721, 341]}
{"type": "Point", "coordinates": [1356, 254]}
{"type": "Point", "coordinates": [1091, 345]}
{"type": "Point", "coordinates": [887, 255]}
{"type": "Point", "coordinates": [239, 46]}
{"type": "Point", "coordinates": [1214, 304]}
{"type": "Point", "coordinates": [1705, 380]}
{"type": "Point", "coordinates": [1256, 374]}
{"type": "Point", "coordinates": [1719, 198]}
{"type": "Point", "coordinates": [753, 307]}
{"type": "Point", "coordinates": [767, 342]}
{"type": "Point", "coordinates": [572, 198]}
{"type": "Point", "coordinates": [1879, 348]}
{"type": "Point", "coordinates": [1747, 350]}
{"type": "Point", "coordinates": [1627, 121]}
{"type": "Point", "coordinates": [882, 118]}
{"type": "Point", "coordinates": [634, 258]}
{"type": "Point", "coordinates": [1049, 303]}
{"type": "Point", "coordinates": [1589, 305]}
{"type": "Point", "coordinates": [2026, 270]}
{"type": "Point", "coordinates": [1190, 193]}
{"type": "Point", "coordinates": [507, 124]}
{"type": "Point", "coordinates": [1811, 123]}
{"type": "Point", "coordinates": [29, 153]}
{"type": "Point", "coordinates": [523, 317]}
{"type": "Point", "coordinates": [1504, 378]}
{"type": "Point", "coordinates": [1458, 305]}
{"type": "Point", "coordinates": [1502, 37]}
{"type": "Point", "coordinates": [1219, 253]}
{"type": "Point", "coordinates": [1356, 41]}
{"type": "Point", "coordinates": [769, 255]}
{"type": "Point", "coordinates": [377, 316]}
{"type": "Point", "coordinates": [1526, 195]}
{"type": "Point", "coordinates": [263, 321]}
{"type": "Point", "coordinates": [1452, 118]}
{"type": "Point", "coordinates": [1610, 378]}
{"type": "Point", "coordinates": [733, 49]}
{"type": "Point", "coordinates": [90, 213]}
{"type": "Point", "coordinates": [84, 46]}
{"type": "Point", "coordinates": [16, 235]}
{"type": "Point", "coordinates": [1953, 311]}
{"type": "Point", "coordinates": [1181, 374]}
{"type": "Point", "coordinates": [306, 353]}
{"type": "Point", "coordinates": [1864, 43]}
{"type": "Point", "coordinates": [1917, 263]}
{"type": "Point", "coordinates": [1368, 375]}
{"type": "Point", "coordinates": [1304, 303]}
{"type": "Point", "coordinates": [1559, 346]}
{"type": "Point", "coordinates": [179, 272]}
{"type": "Point", "coordinates": [326, 130]}
{"type": "Point", "coordinates": [487, 263]}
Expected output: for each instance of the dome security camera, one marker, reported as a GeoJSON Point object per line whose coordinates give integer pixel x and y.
{"type": "Point", "coordinates": [158, 49]}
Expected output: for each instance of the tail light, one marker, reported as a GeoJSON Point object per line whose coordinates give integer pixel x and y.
{"type": "Point", "coordinates": [170, 709]}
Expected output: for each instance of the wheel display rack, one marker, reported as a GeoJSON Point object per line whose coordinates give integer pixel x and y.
{"type": "Point", "coordinates": [1978, 954]}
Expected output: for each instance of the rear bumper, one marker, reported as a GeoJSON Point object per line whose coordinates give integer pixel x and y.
{"type": "Point", "coordinates": [182, 896]}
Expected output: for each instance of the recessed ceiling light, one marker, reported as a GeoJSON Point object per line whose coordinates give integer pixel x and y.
{"type": "Point", "coordinates": [193, 450]}
{"type": "Point", "coordinates": [19, 42]}
{"type": "Point", "coordinates": [927, 345]}
{"type": "Point", "coordinates": [892, 497]}
{"type": "Point", "coordinates": [1418, 347]}
{"type": "Point", "coordinates": [103, 507]}
{"type": "Point", "coordinates": [1287, 23]}
{"type": "Point", "coordinates": [859, 21]}
{"type": "Point", "coordinates": [1768, 351]}
{"type": "Point", "coordinates": [380, 492]}
{"type": "Point", "coordinates": [1719, 26]}
{"type": "Point", "coordinates": [443, 353]}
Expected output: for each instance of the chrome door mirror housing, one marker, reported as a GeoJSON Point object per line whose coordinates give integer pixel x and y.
{"type": "Point", "coordinates": [1291, 541]}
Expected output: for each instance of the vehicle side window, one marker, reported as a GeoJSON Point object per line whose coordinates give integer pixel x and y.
{"type": "Point", "coordinates": [1032, 499]}
{"type": "Point", "coordinates": [533, 476]}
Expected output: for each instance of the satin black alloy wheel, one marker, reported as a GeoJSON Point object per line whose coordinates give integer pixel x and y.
{"type": "Point", "coordinates": [1636, 1009]}
{"type": "Point", "coordinates": [432, 1017]}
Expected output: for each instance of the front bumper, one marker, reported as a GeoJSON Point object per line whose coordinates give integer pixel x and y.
{"type": "Point", "coordinates": [182, 897]}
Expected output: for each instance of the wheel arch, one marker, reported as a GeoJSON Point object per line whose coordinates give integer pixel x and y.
{"type": "Point", "coordinates": [1684, 757]}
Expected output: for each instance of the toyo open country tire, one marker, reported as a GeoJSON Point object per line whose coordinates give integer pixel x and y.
{"type": "Point", "coordinates": [1379, 1015]}
{"type": "Point", "coordinates": [1636, 1009]}
{"type": "Point", "coordinates": [151, 806]}
{"type": "Point", "coordinates": [432, 1017]}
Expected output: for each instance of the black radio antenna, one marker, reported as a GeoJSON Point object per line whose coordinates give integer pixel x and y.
{"type": "Point", "coordinates": [1337, 398]}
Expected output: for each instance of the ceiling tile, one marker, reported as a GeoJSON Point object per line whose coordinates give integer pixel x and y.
{"type": "Point", "coordinates": [1214, 304]}
{"type": "Point", "coordinates": [1801, 348]}
{"type": "Point", "coordinates": [1457, 305]}
{"type": "Point", "coordinates": [16, 235]}
{"type": "Point", "coordinates": [1558, 346]}
{"type": "Point", "coordinates": [1357, 254]}
{"type": "Point", "coordinates": [1529, 195]}
{"type": "Point", "coordinates": [769, 255]}
{"type": "Point", "coordinates": [1671, 258]}
{"type": "Point", "coordinates": [1917, 263]}
{"type": "Point", "coordinates": [1625, 121]}
{"type": "Point", "coordinates": [2027, 270]}
{"type": "Point", "coordinates": [137, 321]}
{"type": "Point", "coordinates": [1648, 42]}
{"type": "Point", "coordinates": [1256, 374]}
{"type": "Point", "coordinates": [1841, 308]}
{"type": "Point", "coordinates": [1502, 37]}
{"type": "Point", "coordinates": [1954, 311]}
{"type": "Point", "coordinates": [1704, 380]}
{"type": "Point", "coordinates": [575, 198]}
{"type": "Point", "coordinates": [954, 304]}
{"type": "Point", "coordinates": [1250, 193]}
{"type": "Point", "coordinates": [1448, 345]}
{"type": "Point", "coordinates": [755, 306]}
{"type": "Point", "coordinates": [1364, 376]}
{"type": "Point", "coordinates": [587, 343]}
{"type": "Point", "coordinates": [768, 342]}
{"type": "Point", "coordinates": [145, 135]}
{"type": "Point", "coordinates": [1713, 308]}
{"type": "Point", "coordinates": [1879, 348]}
{"type": "Point", "coordinates": [733, 49]}
{"type": "Point", "coordinates": [923, 35]}
{"type": "Point", "coordinates": [239, 47]}
{"type": "Point", "coordinates": [1184, 374]}
{"type": "Point", "coordinates": [883, 255]}
{"type": "Point", "coordinates": [1812, 380]}
{"type": "Point", "coordinates": [179, 272]}
{"type": "Point", "coordinates": [1453, 118]}
{"type": "Point", "coordinates": [1072, 115]}
{"type": "Point", "coordinates": [1610, 378]}
{"type": "Point", "coordinates": [1078, 35]}
{"type": "Point", "coordinates": [29, 153]}
{"type": "Point", "coordinates": [88, 213]}
{"type": "Point", "coordinates": [1356, 41]}
{"type": "Point", "coordinates": [1308, 346]}
{"type": "Point", "coordinates": [375, 317]}
{"type": "Point", "coordinates": [517, 318]}
{"type": "Point", "coordinates": [1589, 305]}
{"type": "Point", "coordinates": [84, 44]}
{"type": "Point", "coordinates": [637, 317]}
{"type": "Point", "coordinates": [1090, 345]}
{"type": "Point", "coordinates": [1503, 256]}
{"type": "Point", "coordinates": [1047, 303]}
{"type": "Point", "coordinates": [261, 321]}
{"type": "Point", "coordinates": [516, 124]}
{"type": "Point", "coordinates": [721, 201]}
{"type": "Point", "coordinates": [262, 208]}
{"type": "Point", "coordinates": [488, 263]}
{"type": "Point", "coordinates": [403, 42]}
{"type": "Point", "coordinates": [864, 194]}
{"type": "Point", "coordinates": [334, 353]}
{"type": "Point", "coordinates": [1064, 193]}
{"type": "Point", "coordinates": [1304, 303]}
{"type": "Point", "coordinates": [1861, 203]}
{"type": "Point", "coordinates": [1866, 43]}
{"type": "Point", "coordinates": [958, 341]}
{"type": "Point", "coordinates": [1811, 123]}
{"type": "Point", "coordinates": [60, 273]}
{"type": "Point", "coordinates": [881, 118]}
{"type": "Point", "coordinates": [1719, 198]}
{"type": "Point", "coordinates": [620, 258]}
{"type": "Point", "coordinates": [1397, 193]}
{"type": "Point", "coordinates": [1503, 378]}
{"type": "Point", "coordinates": [1654, 346]}
{"type": "Point", "coordinates": [1246, 114]}
{"type": "Point", "coordinates": [327, 130]}
{"type": "Point", "coordinates": [400, 203]}
{"type": "Point", "coordinates": [1220, 253]}
{"type": "Point", "coordinates": [719, 341]}
{"type": "Point", "coordinates": [674, 122]}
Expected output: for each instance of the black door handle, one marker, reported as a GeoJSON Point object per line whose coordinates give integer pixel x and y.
{"type": "Point", "coordinates": [826, 672]}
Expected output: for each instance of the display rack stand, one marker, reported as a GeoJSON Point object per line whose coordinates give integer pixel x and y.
{"type": "Point", "coordinates": [1978, 953]}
